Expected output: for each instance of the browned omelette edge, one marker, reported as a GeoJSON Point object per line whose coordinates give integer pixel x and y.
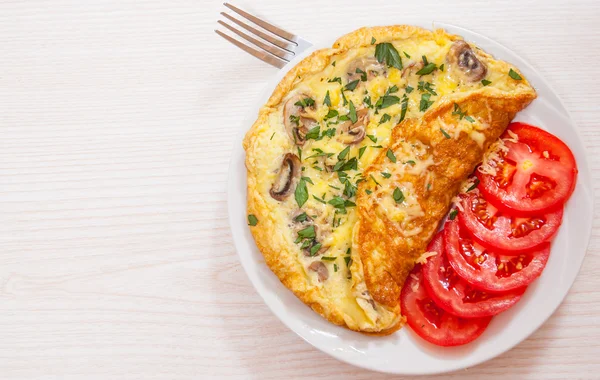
{"type": "Point", "coordinates": [288, 271]}
{"type": "Point", "coordinates": [385, 282]}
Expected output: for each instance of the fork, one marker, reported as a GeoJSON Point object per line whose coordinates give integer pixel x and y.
{"type": "Point", "coordinates": [280, 46]}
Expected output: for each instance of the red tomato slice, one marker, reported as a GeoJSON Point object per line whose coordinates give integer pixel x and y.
{"type": "Point", "coordinates": [502, 232]}
{"type": "Point", "coordinates": [456, 296]}
{"type": "Point", "coordinates": [432, 323]}
{"type": "Point", "coordinates": [490, 270]}
{"type": "Point", "coordinates": [536, 175]}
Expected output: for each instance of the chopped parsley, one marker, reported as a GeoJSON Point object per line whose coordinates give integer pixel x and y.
{"type": "Point", "coordinates": [315, 248]}
{"type": "Point", "coordinates": [372, 138]}
{"type": "Point", "coordinates": [335, 267]}
{"type": "Point", "coordinates": [458, 111]}
{"type": "Point", "coordinates": [373, 40]}
{"type": "Point", "coordinates": [386, 175]}
{"type": "Point", "coordinates": [409, 89]}
{"type": "Point", "coordinates": [328, 258]}
{"type": "Point", "coordinates": [352, 85]}
{"type": "Point", "coordinates": [442, 67]}
{"type": "Point", "coordinates": [295, 119]}
{"type": "Point", "coordinates": [272, 136]}
{"type": "Point", "coordinates": [406, 54]}
{"type": "Point", "coordinates": [336, 79]}
{"type": "Point", "coordinates": [385, 118]}
{"type": "Point", "coordinates": [474, 185]}
{"type": "Point", "coordinates": [313, 133]}
{"type": "Point", "coordinates": [319, 199]}
{"type": "Point", "coordinates": [398, 195]}
{"type": "Point", "coordinates": [333, 64]}
{"type": "Point", "coordinates": [485, 82]}
{"type": "Point", "coordinates": [453, 214]}
{"type": "Point", "coordinates": [426, 86]}
{"type": "Point", "coordinates": [514, 75]}
{"type": "Point", "coordinates": [361, 151]}
{"type": "Point", "coordinates": [386, 52]}
{"type": "Point", "coordinates": [352, 114]}
{"type": "Point", "coordinates": [363, 75]}
{"type": "Point", "coordinates": [252, 220]}
{"type": "Point", "coordinates": [374, 180]}
{"type": "Point", "coordinates": [425, 102]}
{"type": "Point", "coordinates": [446, 135]}
{"type": "Point", "coordinates": [386, 101]}
{"type": "Point", "coordinates": [307, 179]}
{"type": "Point", "coordinates": [404, 107]}
{"type": "Point", "coordinates": [307, 233]}
{"type": "Point", "coordinates": [301, 193]}
{"type": "Point", "coordinates": [427, 69]}
{"type": "Point", "coordinates": [306, 102]}
{"type": "Point", "coordinates": [327, 100]}
{"type": "Point", "coordinates": [331, 114]}
{"type": "Point", "coordinates": [348, 260]}
{"type": "Point", "coordinates": [391, 156]}
{"type": "Point", "coordinates": [343, 153]}
{"type": "Point", "coordinates": [328, 132]}
{"type": "Point", "coordinates": [301, 218]}
{"type": "Point", "coordinates": [469, 118]}
{"type": "Point", "coordinates": [368, 191]}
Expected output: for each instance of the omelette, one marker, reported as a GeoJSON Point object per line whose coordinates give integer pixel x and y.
{"type": "Point", "coordinates": [355, 159]}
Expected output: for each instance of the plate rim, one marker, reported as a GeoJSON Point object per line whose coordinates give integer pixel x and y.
{"type": "Point", "coordinates": [471, 36]}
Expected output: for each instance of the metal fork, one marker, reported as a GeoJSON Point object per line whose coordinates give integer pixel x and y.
{"type": "Point", "coordinates": [280, 46]}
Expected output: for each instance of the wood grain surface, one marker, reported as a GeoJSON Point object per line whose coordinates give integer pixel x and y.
{"type": "Point", "coordinates": [118, 119]}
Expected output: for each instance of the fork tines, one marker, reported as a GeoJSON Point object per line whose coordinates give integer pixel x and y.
{"type": "Point", "coordinates": [273, 45]}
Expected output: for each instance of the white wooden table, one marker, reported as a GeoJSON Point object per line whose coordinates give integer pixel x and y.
{"type": "Point", "coordinates": [117, 121]}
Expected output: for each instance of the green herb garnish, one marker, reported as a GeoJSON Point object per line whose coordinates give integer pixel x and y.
{"type": "Point", "coordinates": [252, 220]}
{"type": "Point", "coordinates": [514, 75]}
{"type": "Point", "coordinates": [385, 118]}
{"type": "Point", "coordinates": [425, 102]}
{"type": "Point", "coordinates": [446, 135]}
{"type": "Point", "coordinates": [352, 85]}
{"type": "Point", "coordinates": [343, 153]}
{"type": "Point", "coordinates": [391, 156]}
{"type": "Point", "coordinates": [301, 193]}
{"type": "Point", "coordinates": [474, 185]}
{"type": "Point", "coordinates": [386, 52]}
{"type": "Point", "coordinates": [398, 195]}
{"type": "Point", "coordinates": [307, 233]}
{"type": "Point", "coordinates": [453, 214]}
{"type": "Point", "coordinates": [361, 151]}
{"type": "Point", "coordinates": [327, 100]}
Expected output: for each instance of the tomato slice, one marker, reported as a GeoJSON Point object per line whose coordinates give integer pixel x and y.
{"type": "Point", "coordinates": [534, 176]}
{"type": "Point", "coordinates": [456, 296]}
{"type": "Point", "coordinates": [489, 270]}
{"type": "Point", "coordinates": [432, 323]}
{"type": "Point", "coordinates": [497, 230]}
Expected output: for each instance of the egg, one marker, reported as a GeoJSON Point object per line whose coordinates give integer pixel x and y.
{"type": "Point", "coordinates": [356, 156]}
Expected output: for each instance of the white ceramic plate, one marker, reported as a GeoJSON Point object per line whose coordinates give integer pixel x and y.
{"type": "Point", "coordinates": [404, 352]}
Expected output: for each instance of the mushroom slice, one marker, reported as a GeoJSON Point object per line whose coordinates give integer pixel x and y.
{"type": "Point", "coordinates": [461, 57]}
{"type": "Point", "coordinates": [289, 174]}
{"type": "Point", "coordinates": [299, 117]}
{"type": "Point", "coordinates": [365, 65]}
{"type": "Point", "coordinates": [320, 269]}
{"type": "Point", "coordinates": [353, 133]}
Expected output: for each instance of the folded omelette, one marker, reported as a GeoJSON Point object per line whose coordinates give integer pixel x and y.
{"type": "Point", "coordinates": [357, 155]}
